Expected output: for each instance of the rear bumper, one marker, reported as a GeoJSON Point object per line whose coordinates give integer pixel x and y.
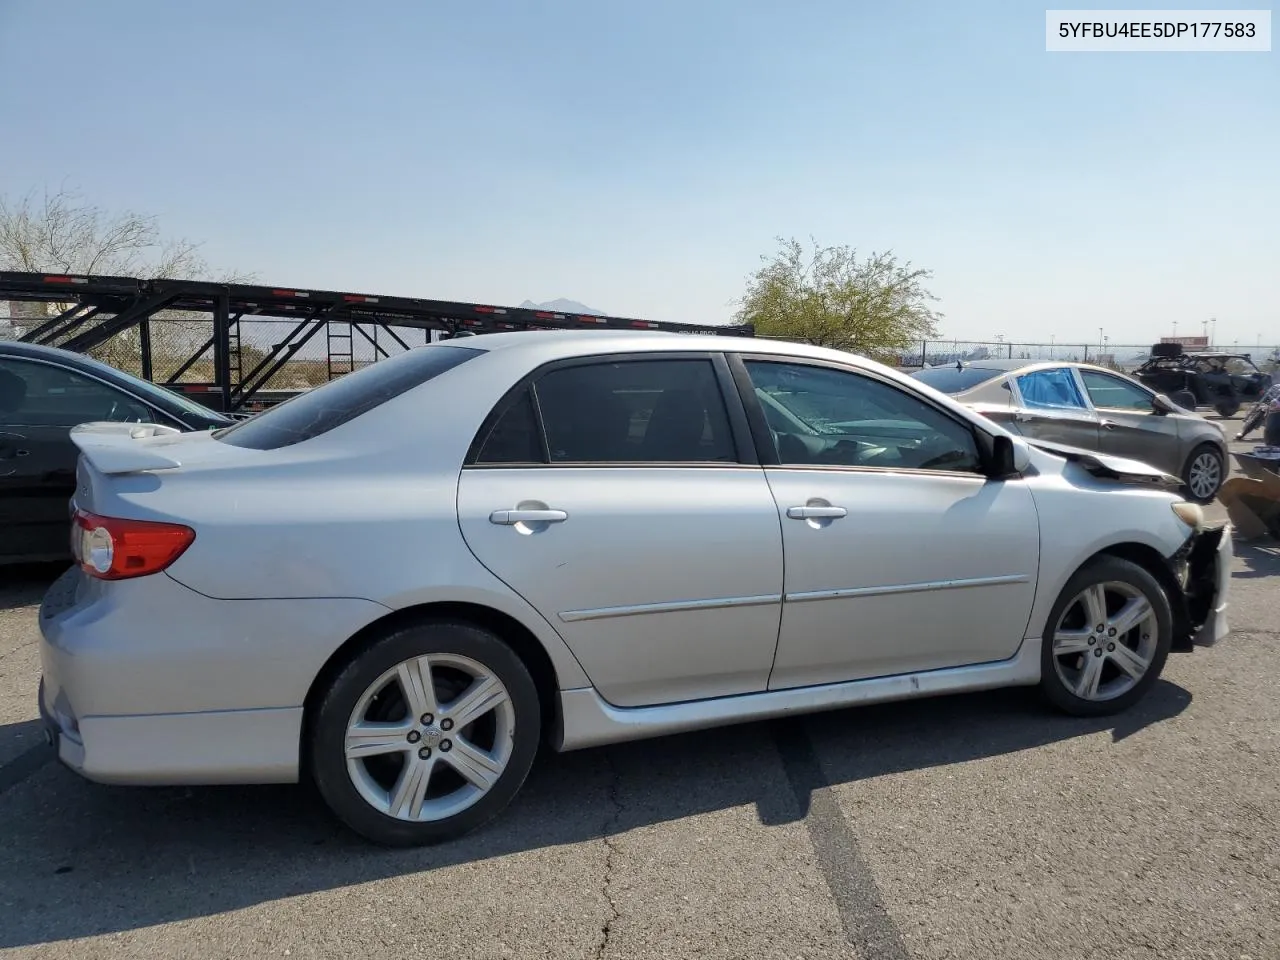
{"type": "Point", "coordinates": [146, 682]}
{"type": "Point", "coordinates": [230, 746]}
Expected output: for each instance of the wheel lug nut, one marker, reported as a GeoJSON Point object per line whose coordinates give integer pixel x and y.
{"type": "Point", "coordinates": [1111, 632]}
{"type": "Point", "coordinates": [414, 736]}
{"type": "Point", "coordinates": [427, 719]}
{"type": "Point", "coordinates": [1097, 652]}
{"type": "Point", "coordinates": [425, 753]}
{"type": "Point", "coordinates": [446, 724]}
{"type": "Point", "coordinates": [1092, 641]}
{"type": "Point", "coordinates": [1100, 627]}
{"type": "Point", "coordinates": [1111, 646]}
{"type": "Point", "coordinates": [445, 746]}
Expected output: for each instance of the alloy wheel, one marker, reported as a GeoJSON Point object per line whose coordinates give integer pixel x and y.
{"type": "Point", "coordinates": [1205, 475]}
{"type": "Point", "coordinates": [429, 737]}
{"type": "Point", "coordinates": [1105, 641]}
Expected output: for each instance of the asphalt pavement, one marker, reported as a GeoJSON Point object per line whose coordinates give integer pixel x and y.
{"type": "Point", "coordinates": [977, 826]}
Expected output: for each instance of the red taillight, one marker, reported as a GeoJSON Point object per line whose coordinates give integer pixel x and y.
{"type": "Point", "coordinates": [110, 548]}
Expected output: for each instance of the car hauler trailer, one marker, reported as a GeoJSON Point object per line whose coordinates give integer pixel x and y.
{"type": "Point", "coordinates": [87, 312]}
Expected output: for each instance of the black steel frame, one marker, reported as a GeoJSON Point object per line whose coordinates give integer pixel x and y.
{"type": "Point", "coordinates": [102, 307]}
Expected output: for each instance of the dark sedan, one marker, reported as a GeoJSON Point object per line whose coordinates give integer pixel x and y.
{"type": "Point", "coordinates": [44, 392]}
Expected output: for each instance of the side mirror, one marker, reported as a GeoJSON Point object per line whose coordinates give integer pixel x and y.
{"type": "Point", "coordinates": [1162, 404]}
{"type": "Point", "coordinates": [1003, 462]}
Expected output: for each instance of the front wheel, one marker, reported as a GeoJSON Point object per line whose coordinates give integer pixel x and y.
{"type": "Point", "coordinates": [1203, 473]}
{"type": "Point", "coordinates": [426, 734]}
{"type": "Point", "coordinates": [1107, 639]}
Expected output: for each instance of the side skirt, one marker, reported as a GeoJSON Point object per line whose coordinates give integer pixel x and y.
{"type": "Point", "coordinates": [587, 720]}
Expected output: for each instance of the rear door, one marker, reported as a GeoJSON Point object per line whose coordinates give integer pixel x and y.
{"type": "Point", "coordinates": [1052, 407]}
{"type": "Point", "coordinates": [1129, 425]}
{"type": "Point", "coordinates": [618, 495]}
{"type": "Point", "coordinates": [39, 404]}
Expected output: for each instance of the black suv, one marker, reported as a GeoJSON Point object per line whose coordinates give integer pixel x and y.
{"type": "Point", "coordinates": [1224, 381]}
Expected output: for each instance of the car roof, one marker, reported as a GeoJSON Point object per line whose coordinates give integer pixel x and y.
{"type": "Point", "coordinates": [1022, 366]}
{"type": "Point", "coordinates": [551, 344]}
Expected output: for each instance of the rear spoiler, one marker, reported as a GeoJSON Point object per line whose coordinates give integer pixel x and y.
{"type": "Point", "coordinates": [1108, 467]}
{"type": "Point", "coordinates": [113, 448]}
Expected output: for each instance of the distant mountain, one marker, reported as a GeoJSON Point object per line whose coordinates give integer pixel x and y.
{"type": "Point", "coordinates": [561, 305]}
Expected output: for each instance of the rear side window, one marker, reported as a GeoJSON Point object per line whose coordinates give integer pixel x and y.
{"type": "Point", "coordinates": [515, 436]}
{"type": "Point", "coordinates": [320, 410]}
{"type": "Point", "coordinates": [1051, 388]}
{"type": "Point", "coordinates": [646, 411]}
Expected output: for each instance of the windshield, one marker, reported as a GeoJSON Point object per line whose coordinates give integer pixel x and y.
{"type": "Point", "coordinates": [951, 380]}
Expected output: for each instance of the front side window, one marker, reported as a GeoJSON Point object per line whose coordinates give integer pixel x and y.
{"type": "Point", "coordinates": [1114, 393]}
{"type": "Point", "coordinates": [40, 394]}
{"type": "Point", "coordinates": [1054, 388]}
{"type": "Point", "coordinates": [823, 417]}
{"type": "Point", "coordinates": [647, 411]}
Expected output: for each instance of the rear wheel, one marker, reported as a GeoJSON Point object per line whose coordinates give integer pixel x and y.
{"type": "Point", "coordinates": [425, 735]}
{"type": "Point", "coordinates": [1108, 638]}
{"type": "Point", "coordinates": [1203, 473]}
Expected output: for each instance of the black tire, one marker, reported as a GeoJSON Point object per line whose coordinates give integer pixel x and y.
{"type": "Point", "coordinates": [1104, 570]}
{"type": "Point", "coordinates": [1226, 408]}
{"type": "Point", "coordinates": [328, 728]}
{"type": "Point", "coordinates": [1184, 398]}
{"type": "Point", "coordinates": [1202, 451]}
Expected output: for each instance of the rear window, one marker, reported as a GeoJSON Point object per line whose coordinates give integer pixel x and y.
{"type": "Point", "coordinates": [333, 404]}
{"type": "Point", "coordinates": [951, 380]}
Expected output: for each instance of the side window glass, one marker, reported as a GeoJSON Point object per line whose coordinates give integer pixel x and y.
{"type": "Point", "coordinates": [645, 411]}
{"type": "Point", "coordinates": [824, 417]}
{"type": "Point", "coordinates": [1051, 388]}
{"type": "Point", "coordinates": [1114, 393]}
{"type": "Point", "coordinates": [39, 394]}
{"type": "Point", "coordinates": [513, 437]}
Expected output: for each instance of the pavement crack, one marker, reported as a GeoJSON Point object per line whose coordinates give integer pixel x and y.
{"type": "Point", "coordinates": [21, 646]}
{"type": "Point", "coordinates": [611, 852]}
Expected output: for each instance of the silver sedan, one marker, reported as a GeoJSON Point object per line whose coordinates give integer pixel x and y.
{"type": "Point", "coordinates": [401, 584]}
{"type": "Point", "coordinates": [1093, 408]}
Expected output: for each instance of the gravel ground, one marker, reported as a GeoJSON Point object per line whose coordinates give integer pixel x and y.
{"type": "Point", "coordinates": [975, 826]}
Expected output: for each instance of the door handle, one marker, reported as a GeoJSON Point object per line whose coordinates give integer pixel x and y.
{"type": "Point", "coordinates": [508, 518]}
{"type": "Point", "coordinates": [1107, 424]}
{"type": "Point", "coordinates": [816, 513]}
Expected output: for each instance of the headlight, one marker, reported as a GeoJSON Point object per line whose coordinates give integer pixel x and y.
{"type": "Point", "coordinates": [1190, 514]}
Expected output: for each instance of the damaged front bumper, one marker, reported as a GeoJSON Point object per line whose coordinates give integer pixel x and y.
{"type": "Point", "coordinates": [1202, 570]}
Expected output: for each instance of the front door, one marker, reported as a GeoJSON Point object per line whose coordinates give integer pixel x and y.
{"type": "Point", "coordinates": [1053, 409]}
{"type": "Point", "coordinates": [636, 531]}
{"type": "Point", "coordinates": [900, 555]}
{"type": "Point", "coordinates": [1129, 425]}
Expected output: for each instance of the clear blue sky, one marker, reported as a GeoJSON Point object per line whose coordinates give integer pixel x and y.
{"type": "Point", "coordinates": [640, 157]}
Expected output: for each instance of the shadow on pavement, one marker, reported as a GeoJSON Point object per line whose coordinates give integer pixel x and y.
{"type": "Point", "coordinates": [1262, 557]}
{"type": "Point", "coordinates": [22, 585]}
{"type": "Point", "coordinates": [81, 859]}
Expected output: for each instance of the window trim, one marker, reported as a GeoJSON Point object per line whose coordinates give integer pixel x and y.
{"type": "Point", "coordinates": [762, 436]}
{"type": "Point", "coordinates": [744, 449]}
{"type": "Point", "coordinates": [167, 419]}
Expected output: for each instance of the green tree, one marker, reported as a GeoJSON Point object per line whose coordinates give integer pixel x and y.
{"type": "Point", "coordinates": [829, 297]}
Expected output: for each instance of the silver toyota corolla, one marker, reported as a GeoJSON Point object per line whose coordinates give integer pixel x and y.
{"type": "Point", "coordinates": [401, 583]}
{"type": "Point", "coordinates": [1080, 405]}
